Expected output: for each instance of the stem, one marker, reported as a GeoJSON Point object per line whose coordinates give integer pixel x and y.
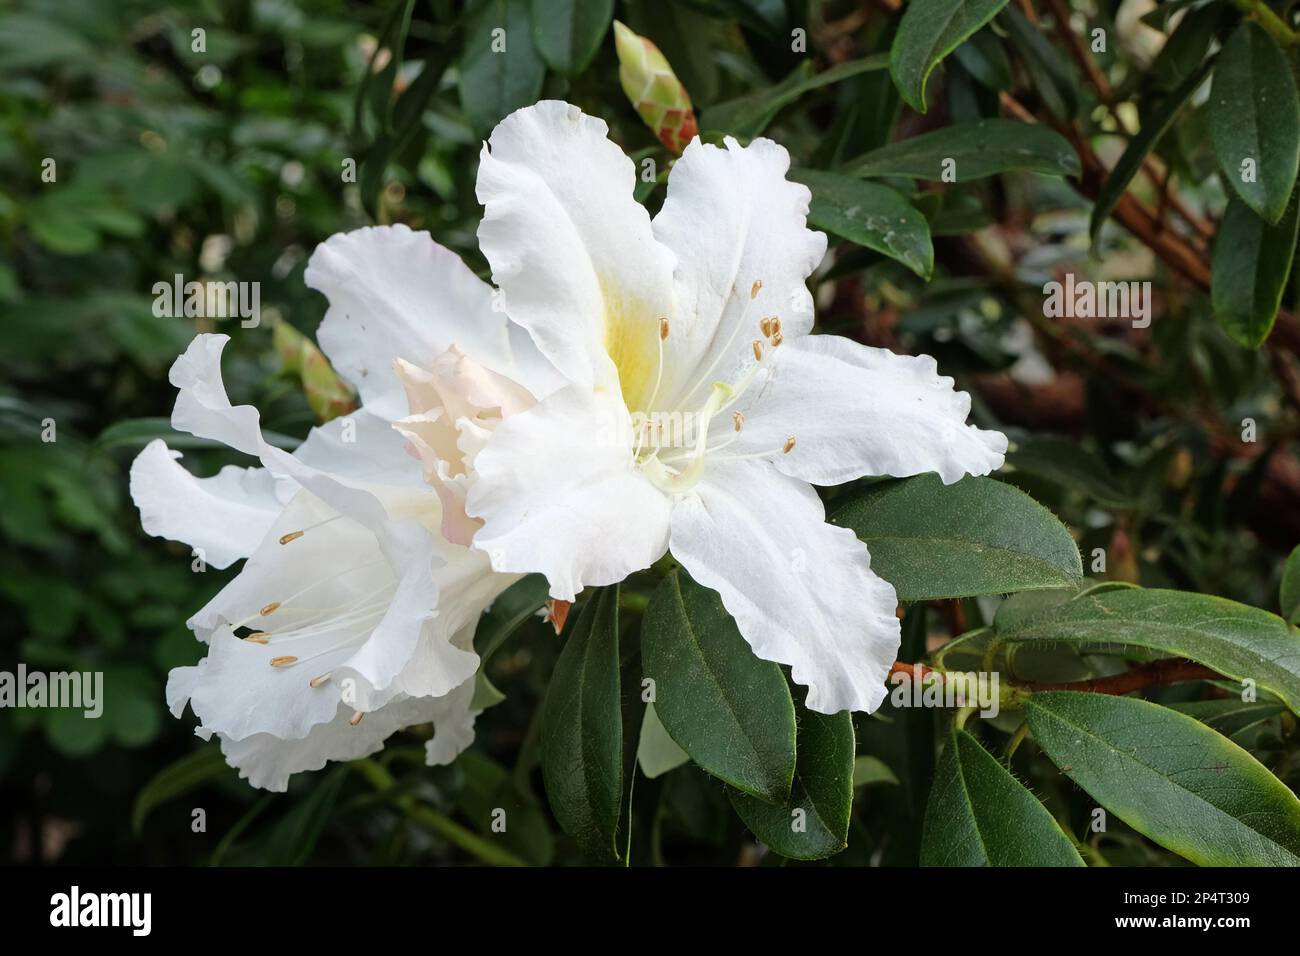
{"type": "Point", "coordinates": [1155, 674]}
{"type": "Point", "coordinates": [1269, 20]}
{"type": "Point", "coordinates": [432, 820]}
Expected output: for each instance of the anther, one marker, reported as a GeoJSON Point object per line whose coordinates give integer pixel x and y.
{"type": "Point", "coordinates": [777, 339]}
{"type": "Point", "coordinates": [663, 329]}
{"type": "Point", "coordinates": [755, 288]}
{"type": "Point", "coordinates": [788, 446]}
{"type": "Point", "coordinates": [258, 637]}
{"type": "Point", "coordinates": [766, 328]}
{"type": "Point", "coordinates": [738, 419]}
{"type": "Point", "coordinates": [758, 351]}
{"type": "Point", "coordinates": [270, 608]}
{"type": "Point", "coordinates": [356, 718]}
{"type": "Point", "coordinates": [292, 536]}
{"type": "Point", "coordinates": [283, 661]}
{"type": "Point", "coordinates": [318, 680]}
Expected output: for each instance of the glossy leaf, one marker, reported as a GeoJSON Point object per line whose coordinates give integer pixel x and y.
{"type": "Point", "coordinates": [928, 32]}
{"type": "Point", "coordinates": [978, 536]}
{"type": "Point", "coordinates": [568, 32]}
{"type": "Point", "coordinates": [981, 815]}
{"type": "Point", "coordinates": [1252, 261]}
{"type": "Point", "coordinates": [1170, 777]}
{"type": "Point", "coordinates": [496, 82]}
{"type": "Point", "coordinates": [726, 708]}
{"type": "Point", "coordinates": [978, 149]}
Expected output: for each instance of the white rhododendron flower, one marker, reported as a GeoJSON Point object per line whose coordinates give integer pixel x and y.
{"type": "Point", "coordinates": [695, 327]}
{"type": "Point", "coordinates": [353, 616]}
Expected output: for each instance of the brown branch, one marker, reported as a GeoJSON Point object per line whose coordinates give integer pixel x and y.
{"type": "Point", "coordinates": [1155, 674]}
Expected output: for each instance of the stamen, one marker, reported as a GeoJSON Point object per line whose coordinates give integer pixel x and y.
{"type": "Point", "coordinates": [758, 351]}
{"type": "Point", "coordinates": [766, 328]}
{"type": "Point", "coordinates": [663, 328]}
{"type": "Point", "coordinates": [776, 325]}
{"type": "Point", "coordinates": [777, 339]}
{"type": "Point", "coordinates": [295, 535]}
{"type": "Point", "coordinates": [356, 718]}
{"type": "Point", "coordinates": [258, 637]}
{"type": "Point", "coordinates": [270, 608]}
{"type": "Point", "coordinates": [738, 419]}
{"type": "Point", "coordinates": [788, 446]}
{"type": "Point", "coordinates": [283, 661]}
{"type": "Point", "coordinates": [291, 536]}
{"type": "Point", "coordinates": [318, 680]}
{"type": "Point", "coordinates": [755, 288]}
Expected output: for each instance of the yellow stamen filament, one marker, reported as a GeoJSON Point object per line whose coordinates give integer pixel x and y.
{"type": "Point", "coordinates": [270, 608]}
{"type": "Point", "coordinates": [318, 680]}
{"type": "Point", "coordinates": [283, 661]}
{"type": "Point", "coordinates": [788, 446]}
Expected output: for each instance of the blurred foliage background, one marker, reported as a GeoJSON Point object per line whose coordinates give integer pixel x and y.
{"type": "Point", "coordinates": [233, 162]}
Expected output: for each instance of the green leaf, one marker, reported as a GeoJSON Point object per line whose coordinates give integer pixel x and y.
{"type": "Point", "coordinates": [487, 792]}
{"type": "Point", "coordinates": [749, 115]}
{"type": "Point", "coordinates": [1252, 261]}
{"type": "Point", "coordinates": [1231, 717]}
{"type": "Point", "coordinates": [1289, 593]}
{"type": "Point", "coordinates": [582, 730]}
{"type": "Point", "coordinates": [1069, 464]}
{"type": "Point", "coordinates": [1255, 116]}
{"type": "Point", "coordinates": [868, 770]}
{"type": "Point", "coordinates": [511, 609]}
{"type": "Point", "coordinates": [871, 215]}
{"type": "Point", "coordinates": [1234, 639]}
{"type": "Point", "coordinates": [814, 823]}
{"type": "Point", "coordinates": [981, 815]}
{"type": "Point", "coordinates": [656, 752]}
{"type": "Point", "coordinates": [726, 708]}
{"type": "Point", "coordinates": [495, 83]}
{"type": "Point", "coordinates": [978, 149]}
{"type": "Point", "coordinates": [182, 776]}
{"type": "Point", "coordinates": [568, 32]}
{"type": "Point", "coordinates": [1153, 128]}
{"type": "Point", "coordinates": [929, 31]}
{"type": "Point", "coordinates": [293, 838]}
{"type": "Point", "coordinates": [978, 536]}
{"type": "Point", "coordinates": [1170, 777]}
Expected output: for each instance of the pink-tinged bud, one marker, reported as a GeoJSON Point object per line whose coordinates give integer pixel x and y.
{"type": "Point", "coordinates": [649, 82]}
{"type": "Point", "coordinates": [327, 394]}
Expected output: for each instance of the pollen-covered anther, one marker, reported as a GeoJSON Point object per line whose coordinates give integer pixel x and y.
{"type": "Point", "coordinates": [356, 718]}
{"type": "Point", "coordinates": [765, 327]}
{"type": "Point", "coordinates": [270, 608]}
{"type": "Point", "coordinates": [258, 637]}
{"type": "Point", "coordinates": [738, 419]}
{"type": "Point", "coordinates": [777, 339]}
{"type": "Point", "coordinates": [291, 536]}
{"type": "Point", "coordinates": [758, 350]}
{"type": "Point", "coordinates": [319, 680]}
{"type": "Point", "coordinates": [755, 288]}
{"type": "Point", "coordinates": [788, 446]}
{"type": "Point", "coordinates": [283, 661]}
{"type": "Point", "coordinates": [663, 329]}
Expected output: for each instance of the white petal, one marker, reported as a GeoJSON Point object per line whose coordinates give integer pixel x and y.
{"type": "Point", "coordinates": [268, 762]}
{"type": "Point", "coordinates": [224, 517]}
{"type": "Point", "coordinates": [857, 411]}
{"type": "Point", "coordinates": [570, 248]}
{"type": "Point", "coordinates": [393, 294]}
{"type": "Point", "coordinates": [202, 408]}
{"type": "Point", "coordinates": [731, 218]}
{"type": "Point", "coordinates": [558, 496]}
{"type": "Point", "coordinates": [801, 590]}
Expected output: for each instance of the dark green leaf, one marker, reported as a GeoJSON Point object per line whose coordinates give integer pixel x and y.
{"type": "Point", "coordinates": [978, 536]}
{"type": "Point", "coordinates": [726, 708]}
{"type": "Point", "coordinates": [1252, 261]}
{"type": "Point", "coordinates": [929, 31]}
{"type": "Point", "coordinates": [980, 815]}
{"type": "Point", "coordinates": [814, 823]}
{"type": "Point", "coordinates": [1234, 639]}
{"type": "Point", "coordinates": [511, 609]}
{"type": "Point", "coordinates": [1170, 777]}
{"type": "Point", "coordinates": [1255, 120]}
{"type": "Point", "coordinates": [293, 838]}
{"type": "Point", "coordinates": [871, 215]}
{"type": "Point", "coordinates": [1289, 593]}
{"type": "Point", "coordinates": [496, 82]}
{"type": "Point", "coordinates": [977, 149]}
{"type": "Point", "coordinates": [568, 32]}
{"type": "Point", "coordinates": [582, 730]}
{"type": "Point", "coordinates": [750, 114]}
{"type": "Point", "coordinates": [182, 776]}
